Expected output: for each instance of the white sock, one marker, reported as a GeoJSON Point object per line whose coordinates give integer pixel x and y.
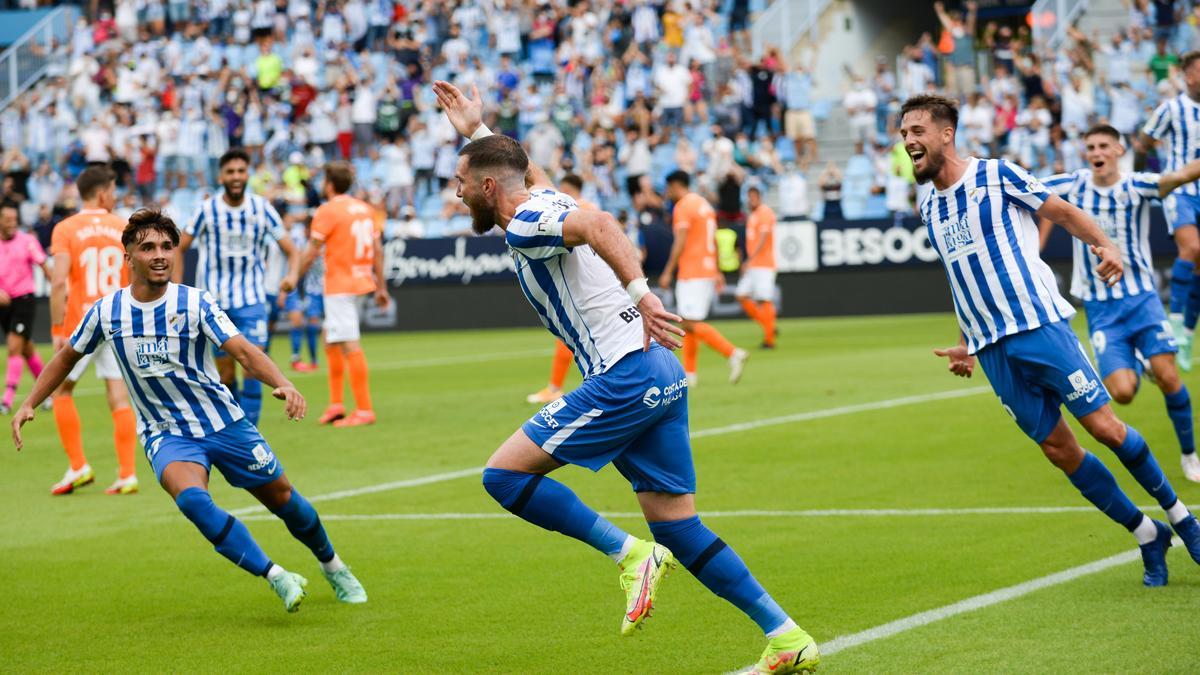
{"type": "Point", "coordinates": [1177, 512]}
{"type": "Point", "coordinates": [335, 563]}
{"type": "Point", "coordinates": [1145, 532]}
{"type": "Point", "coordinates": [783, 628]}
{"type": "Point", "coordinates": [618, 556]}
{"type": "Point", "coordinates": [274, 572]}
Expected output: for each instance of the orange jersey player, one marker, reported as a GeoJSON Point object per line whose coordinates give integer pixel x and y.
{"type": "Point", "coordinates": [756, 289]}
{"type": "Point", "coordinates": [693, 266]}
{"type": "Point", "coordinates": [89, 263]}
{"type": "Point", "coordinates": [351, 236]}
{"type": "Point", "coordinates": [572, 186]}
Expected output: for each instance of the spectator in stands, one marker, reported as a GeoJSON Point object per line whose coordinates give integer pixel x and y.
{"type": "Point", "coordinates": [830, 182]}
{"type": "Point", "coordinates": [859, 103]}
{"type": "Point", "coordinates": [798, 122]}
{"type": "Point", "coordinates": [793, 190]}
{"type": "Point", "coordinates": [959, 47]}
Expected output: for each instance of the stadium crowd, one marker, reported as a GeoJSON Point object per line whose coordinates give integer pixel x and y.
{"type": "Point", "coordinates": [620, 93]}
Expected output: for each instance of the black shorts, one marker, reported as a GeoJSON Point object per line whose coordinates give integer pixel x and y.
{"type": "Point", "coordinates": [17, 316]}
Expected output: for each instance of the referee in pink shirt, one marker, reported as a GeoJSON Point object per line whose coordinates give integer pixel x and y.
{"type": "Point", "coordinates": [19, 253]}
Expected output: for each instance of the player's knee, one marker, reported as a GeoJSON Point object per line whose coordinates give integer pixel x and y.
{"type": "Point", "coordinates": [1168, 380]}
{"type": "Point", "coordinates": [1189, 248]}
{"type": "Point", "coordinates": [507, 487]}
{"type": "Point", "coordinates": [1122, 393]}
{"type": "Point", "coordinates": [1066, 456]}
{"type": "Point", "coordinates": [1110, 431]}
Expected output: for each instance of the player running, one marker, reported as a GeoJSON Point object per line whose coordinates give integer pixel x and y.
{"type": "Point", "coordinates": [756, 288]}
{"type": "Point", "coordinates": [572, 186]}
{"type": "Point", "coordinates": [346, 229]}
{"type": "Point", "coordinates": [1178, 119]}
{"type": "Point", "coordinates": [20, 252]}
{"type": "Point", "coordinates": [1010, 313]}
{"type": "Point", "coordinates": [231, 231]}
{"type": "Point", "coordinates": [161, 333]}
{"type": "Point", "coordinates": [1126, 320]}
{"type": "Point", "coordinates": [89, 263]}
{"type": "Point", "coordinates": [692, 264]}
{"type": "Point", "coordinates": [631, 409]}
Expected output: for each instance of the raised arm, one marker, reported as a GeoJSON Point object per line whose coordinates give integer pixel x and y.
{"type": "Point", "coordinates": [185, 242]}
{"type": "Point", "coordinates": [1083, 228]}
{"type": "Point", "coordinates": [260, 366]}
{"type": "Point", "coordinates": [1188, 173]}
{"type": "Point", "coordinates": [604, 235]}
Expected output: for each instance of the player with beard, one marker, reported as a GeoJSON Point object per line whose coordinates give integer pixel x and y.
{"type": "Point", "coordinates": [582, 276]}
{"type": "Point", "coordinates": [231, 232]}
{"type": "Point", "coordinates": [350, 236]}
{"type": "Point", "coordinates": [1012, 317]}
{"type": "Point", "coordinates": [1129, 331]}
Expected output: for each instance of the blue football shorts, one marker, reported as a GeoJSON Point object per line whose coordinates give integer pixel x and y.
{"type": "Point", "coordinates": [250, 321]}
{"type": "Point", "coordinates": [1118, 327]}
{"type": "Point", "coordinates": [1036, 372]}
{"type": "Point", "coordinates": [634, 416]}
{"type": "Point", "coordinates": [238, 451]}
{"type": "Point", "coordinates": [1181, 211]}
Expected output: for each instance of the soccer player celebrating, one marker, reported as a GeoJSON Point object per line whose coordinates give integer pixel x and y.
{"type": "Point", "coordinates": [1126, 319]}
{"type": "Point", "coordinates": [231, 231]}
{"type": "Point", "coordinates": [20, 252]}
{"type": "Point", "coordinates": [89, 263]}
{"type": "Point", "coordinates": [756, 288]}
{"type": "Point", "coordinates": [572, 186]}
{"type": "Point", "coordinates": [351, 237]}
{"type": "Point", "coordinates": [1011, 315]}
{"type": "Point", "coordinates": [1178, 119]}
{"type": "Point", "coordinates": [188, 420]}
{"type": "Point", "coordinates": [578, 270]}
{"type": "Point", "coordinates": [693, 265]}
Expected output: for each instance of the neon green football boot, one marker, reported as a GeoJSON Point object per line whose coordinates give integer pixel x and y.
{"type": "Point", "coordinates": [346, 586]}
{"type": "Point", "coordinates": [642, 570]}
{"type": "Point", "coordinates": [793, 652]}
{"type": "Point", "coordinates": [289, 586]}
{"type": "Point", "coordinates": [1183, 340]}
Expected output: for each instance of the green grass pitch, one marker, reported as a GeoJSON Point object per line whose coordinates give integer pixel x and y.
{"type": "Point", "coordinates": [99, 583]}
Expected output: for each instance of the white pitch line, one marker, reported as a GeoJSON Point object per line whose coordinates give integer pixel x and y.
{"type": "Point", "coordinates": [380, 487]}
{"type": "Point", "coordinates": [745, 513]}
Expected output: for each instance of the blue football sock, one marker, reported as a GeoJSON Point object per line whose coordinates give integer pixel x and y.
{"type": "Point", "coordinates": [1179, 409]}
{"type": "Point", "coordinates": [1135, 454]}
{"type": "Point", "coordinates": [313, 333]}
{"type": "Point", "coordinates": [549, 504]}
{"type": "Point", "coordinates": [1181, 284]}
{"type": "Point", "coordinates": [305, 525]}
{"type": "Point", "coordinates": [297, 335]}
{"type": "Point", "coordinates": [251, 399]}
{"type": "Point", "coordinates": [720, 569]}
{"type": "Point", "coordinates": [1098, 486]}
{"type": "Point", "coordinates": [227, 534]}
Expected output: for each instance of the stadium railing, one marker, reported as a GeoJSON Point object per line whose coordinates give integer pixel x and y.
{"type": "Point", "coordinates": [784, 22]}
{"type": "Point", "coordinates": [1051, 18]}
{"type": "Point", "coordinates": [27, 60]}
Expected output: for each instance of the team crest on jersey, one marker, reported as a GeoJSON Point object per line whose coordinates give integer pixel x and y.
{"type": "Point", "coordinates": [1121, 198]}
{"type": "Point", "coordinates": [175, 323]}
{"type": "Point", "coordinates": [976, 194]}
{"type": "Point", "coordinates": [957, 235]}
{"type": "Point", "coordinates": [1034, 185]}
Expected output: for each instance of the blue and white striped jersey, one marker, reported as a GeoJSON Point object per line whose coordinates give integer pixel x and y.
{"type": "Point", "coordinates": [164, 350]}
{"type": "Point", "coordinates": [983, 229]}
{"type": "Point", "coordinates": [232, 246]}
{"type": "Point", "coordinates": [1178, 121]}
{"type": "Point", "coordinates": [1122, 210]}
{"type": "Point", "coordinates": [575, 292]}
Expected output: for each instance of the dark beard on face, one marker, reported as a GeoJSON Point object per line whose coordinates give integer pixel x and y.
{"type": "Point", "coordinates": [482, 221]}
{"type": "Point", "coordinates": [932, 166]}
{"type": "Point", "coordinates": [235, 196]}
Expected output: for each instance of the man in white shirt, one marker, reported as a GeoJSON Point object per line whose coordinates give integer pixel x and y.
{"type": "Point", "coordinates": [672, 81]}
{"type": "Point", "coordinates": [860, 103]}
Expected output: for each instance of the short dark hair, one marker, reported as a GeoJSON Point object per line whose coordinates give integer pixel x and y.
{"type": "Point", "coordinates": [1188, 58]}
{"type": "Point", "coordinates": [93, 179]}
{"type": "Point", "coordinates": [233, 154]}
{"type": "Point", "coordinates": [679, 177]}
{"type": "Point", "coordinates": [572, 180]}
{"type": "Point", "coordinates": [146, 220]}
{"type": "Point", "coordinates": [1106, 129]}
{"type": "Point", "coordinates": [496, 152]}
{"type": "Point", "coordinates": [754, 189]}
{"type": "Point", "coordinates": [340, 174]}
{"type": "Point", "coordinates": [940, 108]}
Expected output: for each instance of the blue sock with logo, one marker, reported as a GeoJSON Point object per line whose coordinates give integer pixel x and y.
{"type": "Point", "coordinates": [1135, 454]}
{"type": "Point", "coordinates": [305, 525]}
{"type": "Point", "coordinates": [720, 569]}
{"type": "Point", "coordinates": [551, 505]}
{"type": "Point", "coordinates": [1096, 483]}
{"type": "Point", "coordinates": [1179, 409]}
{"type": "Point", "coordinates": [1181, 284]}
{"type": "Point", "coordinates": [1192, 311]}
{"type": "Point", "coordinates": [313, 332]}
{"type": "Point", "coordinates": [297, 336]}
{"type": "Point", "coordinates": [251, 398]}
{"type": "Point", "coordinates": [227, 534]}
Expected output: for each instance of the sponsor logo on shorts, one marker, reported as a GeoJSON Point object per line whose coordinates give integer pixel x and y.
{"type": "Point", "coordinates": [1166, 334]}
{"type": "Point", "coordinates": [547, 413]}
{"type": "Point", "coordinates": [1084, 386]}
{"type": "Point", "coordinates": [153, 449]}
{"type": "Point", "coordinates": [651, 397]}
{"type": "Point", "coordinates": [665, 397]}
{"type": "Point", "coordinates": [264, 457]}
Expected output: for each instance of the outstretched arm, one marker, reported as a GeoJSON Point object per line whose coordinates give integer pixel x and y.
{"type": "Point", "coordinates": [603, 234]}
{"type": "Point", "coordinates": [259, 366]}
{"type": "Point", "coordinates": [1082, 227]}
{"type": "Point", "coordinates": [466, 114]}
{"type": "Point", "coordinates": [1188, 173]}
{"type": "Point", "coordinates": [52, 376]}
